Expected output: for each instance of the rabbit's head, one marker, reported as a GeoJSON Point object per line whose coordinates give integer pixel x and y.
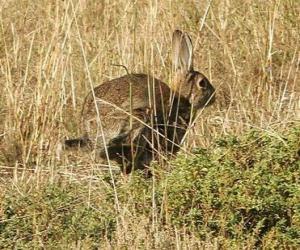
{"type": "Point", "coordinates": [187, 82]}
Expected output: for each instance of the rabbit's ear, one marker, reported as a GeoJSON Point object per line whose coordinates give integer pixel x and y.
{"type": "Point", "coordinates": [182, 49]}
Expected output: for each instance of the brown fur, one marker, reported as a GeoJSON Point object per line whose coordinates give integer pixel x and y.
{"type": "Point", "coordinates": [136, 115]}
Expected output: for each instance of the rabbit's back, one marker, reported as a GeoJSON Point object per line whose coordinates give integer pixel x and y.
{"type": "Point", "coordinates": [140, 88]}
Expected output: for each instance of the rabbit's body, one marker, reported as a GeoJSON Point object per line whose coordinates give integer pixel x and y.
{"type": "Point", "coordinates": [132, 118]}
{"type": "Point", "coordinates": [135, 113]}
{"type": "Point", "coordinates": [120, 98]}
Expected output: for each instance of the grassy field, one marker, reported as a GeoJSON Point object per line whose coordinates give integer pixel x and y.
{"type": "Point", "coordinates": [236, 183]}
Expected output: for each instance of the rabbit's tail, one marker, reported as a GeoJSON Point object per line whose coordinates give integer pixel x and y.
{"type": "Point", "coordinates": [77, 143]}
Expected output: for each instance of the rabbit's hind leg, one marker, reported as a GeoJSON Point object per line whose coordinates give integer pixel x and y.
{"type": "Point", "coordinates": [78, 142]}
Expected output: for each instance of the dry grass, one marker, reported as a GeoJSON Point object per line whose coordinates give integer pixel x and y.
{"type": "Point", "coordinates": [53, 52]}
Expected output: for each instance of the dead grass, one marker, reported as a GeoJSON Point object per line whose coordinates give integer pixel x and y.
{"type": "Point", "coordinates": [53, 52]}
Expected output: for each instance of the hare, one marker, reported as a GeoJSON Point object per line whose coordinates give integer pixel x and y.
{"type": "Point", "coordinates": [133, 118]}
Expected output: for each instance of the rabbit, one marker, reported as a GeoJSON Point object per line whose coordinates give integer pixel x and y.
{"type": "Point", "coordinates": [133, 118]}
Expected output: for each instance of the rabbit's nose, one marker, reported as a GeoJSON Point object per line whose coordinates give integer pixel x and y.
{"type": "Point", "coordinates": [212, 97]}
{"type": "Point", "coordinates": [208, 95]}
{"type": "Point", "coordinates": [211, 93]}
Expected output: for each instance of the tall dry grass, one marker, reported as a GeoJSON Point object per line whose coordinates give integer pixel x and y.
{"type": "Point", "coordinates": [53, 52]}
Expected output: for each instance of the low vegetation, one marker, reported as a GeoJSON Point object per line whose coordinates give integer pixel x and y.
{"type": "Point", "coordinates": [242, 192]}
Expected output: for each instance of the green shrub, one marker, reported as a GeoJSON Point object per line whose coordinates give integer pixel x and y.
{"type": "Point", "coordinates": [242, 191]}
{"type": "Point", "coordinates": [243, 187]}
{"type": "Point", "coordinates": [54, 214]}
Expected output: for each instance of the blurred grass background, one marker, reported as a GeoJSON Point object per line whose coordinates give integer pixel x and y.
{"type": "Point", "coordinates": [53, 52]}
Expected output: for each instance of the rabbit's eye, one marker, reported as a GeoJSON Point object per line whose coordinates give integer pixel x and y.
{"type": "Point", "coordinates": [201, 84]}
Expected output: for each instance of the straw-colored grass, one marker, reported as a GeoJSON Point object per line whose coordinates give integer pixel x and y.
{"type": "Point", "coordinates": [53, 52]}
